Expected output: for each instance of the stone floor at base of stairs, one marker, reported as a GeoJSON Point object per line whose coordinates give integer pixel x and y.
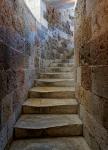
{"type": "Point", "coordinates": [77, 143]}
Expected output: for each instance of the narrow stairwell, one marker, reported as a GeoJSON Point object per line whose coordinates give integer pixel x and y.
{"type": "Point", "coordinates": [49, 119]}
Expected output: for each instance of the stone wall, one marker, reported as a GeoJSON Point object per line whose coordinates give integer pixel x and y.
{"type": "Point", "coordinates": [59, 44]}
{"type": "Point", "coordinates": [52, 15]}
{"type": "Point", "coordinates": [91, 56]}
{"type": "Point", "coordinates": [19, 62]}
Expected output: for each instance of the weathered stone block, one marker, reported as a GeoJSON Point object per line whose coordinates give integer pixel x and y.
{"type": "Point", "coordinates": [11, 80]}
{"type": "Point", "coordinates": [10, 58]}
{"type": "Point", "coordinates": [3, 137]}
{"type": "Point", "coordinates": [78, 76]}
{"type": "Point", "coordinates": [10, 125]}
{"type": "Point", "coordinates": [105, 115]}
{"type": "Point", "coordinates": [86, 80]}
{"type": "Point", "coordinates": [20, 77]}
{"type": "Point", "coordinates": [7, 109]}
{"type": "Point", "coordinates": [99, 19]}
{"type": "Point", "coordinates": [90, 139]}
{"type": "Point", "coordinates": [3, 56]}
{"type": "Point", "coordinates": [98, 49]}
{"type": "Point", "coordinates": [93, 104]}
{"type": "Point", "coordinates": [95, 130]}
{"type": "Point", "coordinates": [3, 83]}
{"type": "Point", "coordinates": [100, 81]}
{"type": "Point", "coordinates": [19, 95]}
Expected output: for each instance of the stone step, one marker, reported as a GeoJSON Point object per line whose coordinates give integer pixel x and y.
{"type": "Point", "coordinates": [63, 143]}
{"type": "Point", "coordinates": [60, 69]}
{"type": "Point", "coordinates": [52, 92]}
{"type": "Point", "coordinates": [57, 75]}
{"type": "Point", "coordinates": [50, 106]}
{"type": "Point", "coordinates": [63, 61]}
{"type": "Point", "coordinates": [67, 60]}
{"type": "Point", "coordinates": [32, 126]}
{"type": "Point", "coordinates": [55, 82]}
{"type": "Point", "coordinates": [61, 64]}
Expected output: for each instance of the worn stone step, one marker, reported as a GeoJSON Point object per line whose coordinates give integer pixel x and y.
{"type": "Point", "coordinates": [60, 69]}
{"type": "Point", "coordinates": [55, 82]}
{"type": "Point", "coordinates": [50, 106]}
{"type": "Point", "coordinates": [52, 92]}
{"type": "Point", "coordinates": [57, 75]}
{"type": "Point", "coordinates": [61, 64]}
{"type": "Point", "coordinates": [32, 126]}
{"type": "Point", "coordinates": [63, 61]}
{"type": "Point", "coordinates": [67, 61]}
{"type": "Point", "coordinates": [63, 143]}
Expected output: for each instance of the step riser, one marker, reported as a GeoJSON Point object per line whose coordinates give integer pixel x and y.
{"type": "Point", "coordinates": [65, 131]}
{"type": "Point", "coordinates": [65, 69]}
{"type": "Point", "coordinates": [61, 65]}
{"type": "Point", "coordinates": [66, 61]}
{"type": "Point", "coordinates": [51, 110]}
{"type": "Point", "coordinates": [57, 76]}
{"type": "Point", "coordinates": [55, 84]}
{"type": "Point", "coordinates": [63, 61]}
{"type": "Point", "coordinates": [67, 94]}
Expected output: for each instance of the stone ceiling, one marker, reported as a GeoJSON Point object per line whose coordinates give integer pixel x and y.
{"type": "Point", "coordinates": [62, 3]}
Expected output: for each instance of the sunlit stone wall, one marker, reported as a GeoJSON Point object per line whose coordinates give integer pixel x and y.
{"type": "Point", "coordinates": [38, 9]}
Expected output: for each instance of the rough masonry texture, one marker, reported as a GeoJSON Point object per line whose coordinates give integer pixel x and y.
{"type": "Point", "coordinates": [18, 54]}
{"type": "Point", "coordinates": [91, 55]}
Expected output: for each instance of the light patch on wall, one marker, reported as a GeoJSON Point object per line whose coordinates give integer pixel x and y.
{"type": "Point", "coordinates": [38, 7]}
{"type": "Point", "coordinates": [34, 6]}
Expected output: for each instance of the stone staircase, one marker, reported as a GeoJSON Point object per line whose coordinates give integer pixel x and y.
{"type": "Point", "coordinates": [49, 119]}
